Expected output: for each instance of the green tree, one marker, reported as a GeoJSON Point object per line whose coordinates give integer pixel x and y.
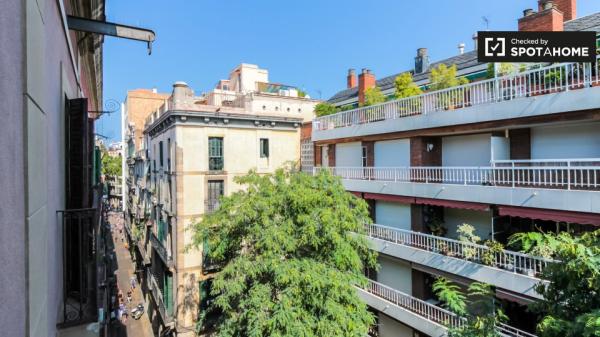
{"type": "Point", "coordinates": [478, 308]}
{"type": "Point", "coordinates": [324, 109]}
{"type": "Point", "coordinates": [444, 77]}
{"type": "Point", "coordinates": [571, 305]}
{"type": "Point", "coordinates": [373, 96]}
{"type": "Point", "coordinates": [111, 166]}
{"type": "Point", "coordinates": [406, 87]}
{"type": "Point", "coordinates": [290, 258]}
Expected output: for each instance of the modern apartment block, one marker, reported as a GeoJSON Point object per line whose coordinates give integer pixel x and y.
{"type": "Point", "coordinates": [506, 153]}
{"type": "Point", "coordinates": [192, 149]}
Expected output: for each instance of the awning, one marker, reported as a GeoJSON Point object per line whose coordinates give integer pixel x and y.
{"type": "Point", "coordinates": [358, 194]}
{"type": "Point", "coordinates": [550, 215]}
{"type": "Point", "coordinates": [453, 204]}
{"type": "Point", "coordinates": [388, 197]}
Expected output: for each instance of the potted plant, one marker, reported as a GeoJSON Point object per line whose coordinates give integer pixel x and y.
{"type": "Point", "coordinates": [436, 226]}
{"type": "Point", "coordinates": [466, 234]}
{"type": "Point", "coordinates": [489, 256]}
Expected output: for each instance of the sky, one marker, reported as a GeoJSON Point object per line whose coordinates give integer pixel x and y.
{"type": "Point", "coordinates": [310, 44]}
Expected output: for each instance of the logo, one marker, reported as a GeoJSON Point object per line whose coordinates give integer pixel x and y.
{"type": "Point", "coordinates": [495, 46]}
{"type": "Point", "coordinates": [536, 47]}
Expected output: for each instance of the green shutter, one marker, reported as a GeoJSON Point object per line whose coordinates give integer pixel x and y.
{"type": "Point", "coordinates": [168, 294]}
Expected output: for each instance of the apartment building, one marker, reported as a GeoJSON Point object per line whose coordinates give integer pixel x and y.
{"type": "Point", "coordinates": [50, 217]}
{"type": "Point", "coordinates": [192, 149]}
{"type": "Point", "coordinates": [510, 153]}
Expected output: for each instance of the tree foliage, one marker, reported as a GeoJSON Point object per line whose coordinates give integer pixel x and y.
{"type": "Point", "coordinates": [324, 109]}
{"type": "Point", "coordinates": [290, 258]}
{"type": "Point", "coordinates": [571, 305]}
{"type": "Point", "coordinates": [373, 96]}
{"type": "Point", "coordinates": [477, 308]}
{"type": "Point", "coordinates": [405, 87]}
{"type": "Point", "coordinates": [111, 166]}
{"type": "Point", "coordinates": [443, 77]}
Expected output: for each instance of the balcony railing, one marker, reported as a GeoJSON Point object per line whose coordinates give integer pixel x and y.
{"type": "Point", "coordinates": [514, 262]}
{"type": "Point", "coordinates": [540, 81]}
{"type": "Point", "coordinates": [161, 250]}
{"type": "Point", "coordinates": [159, 299]}
{"type": "Point", "coordinates": [580, 174]}
{"type": "Point", "coordinates": [432, 312]}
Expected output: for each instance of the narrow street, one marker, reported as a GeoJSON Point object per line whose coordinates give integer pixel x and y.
{"type": "Point", "coordinates": [124, 271]}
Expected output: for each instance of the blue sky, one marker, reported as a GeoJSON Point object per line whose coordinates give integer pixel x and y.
{"type": "Point", "coordinates": [309, 44]}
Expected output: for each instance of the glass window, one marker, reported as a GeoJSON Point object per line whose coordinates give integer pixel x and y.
{"type": "Point", "coordinates": [364, 156]}
{"type": "Point", "coordinates": [264, 148]}
{"type": "Point", "coordinates": [215, 154]}
{"type": "Point", "coordinates": [216, 188]}
{"type": "Point", "coordinates": [160, 149]}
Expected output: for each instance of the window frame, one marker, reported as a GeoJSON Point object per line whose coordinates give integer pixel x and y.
{"type": "Point", "coordinates": [214, 164]}
{"type": "Point", "coordinates": [264, 150]}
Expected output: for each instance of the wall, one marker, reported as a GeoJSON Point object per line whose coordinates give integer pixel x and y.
{"type": "Point", "coordinates": [348, 154]}
{"type": "Point", "coordinates": [470, 150]}
{"type": "Point", "coordinates": [395, 273]}
{"type": "Point", "coordinates": [275, 105]}
{"type": "Point", "coordinates": [393, 214]}
{"type": "Point", "coordinates": [566, 141]}
{"type": "Point", "coordinates": [392, 153]}
{"type": "Point", "coordinates": [12, 237]}
{"type": "Point", "coordinates": [454, 217]}
{"type": "Point", "coordinates": [389, 327]}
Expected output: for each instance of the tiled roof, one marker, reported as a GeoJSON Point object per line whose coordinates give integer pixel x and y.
{"type": "Point", "coordinates": [466, 60]}
{"type": "Point", "coordinates": [587, 23]}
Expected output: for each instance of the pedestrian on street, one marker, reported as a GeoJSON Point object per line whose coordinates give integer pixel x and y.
{"type": "Point", "coordinates": [129, 296]}
{"type": "Point", "coordinates": [132, 281]}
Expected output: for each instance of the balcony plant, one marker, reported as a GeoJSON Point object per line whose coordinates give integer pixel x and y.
{"type": "Point", "coordinates": [466, 234]}
{"type": "Point", "coordinates": [444, 77]}
{"type": "Point", "coordinates": [406, 87]}
{"type": "Point", "coordinates": [489, 256]}
{"type": "Point", "coordinates": [436, 226]}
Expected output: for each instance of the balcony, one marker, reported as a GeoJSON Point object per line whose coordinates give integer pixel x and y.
{"type": "Point", "coordinates": [165, 312]}
{"type": "Point", "coordinates": [569, 185]}
{"type": "Point", "coordinates": [211, 205]}
{"type": "Point", "coordinates": [535, 92]}
{"type": "Point", "coordinates": [418, 314]}
{"type": "Point", "coordinates": [161, 250]}
{"type": "Point", "coordinates": [505, 269]}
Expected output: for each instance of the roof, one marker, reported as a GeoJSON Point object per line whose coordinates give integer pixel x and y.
{"type": "Point", "coordinates": [463, 61]}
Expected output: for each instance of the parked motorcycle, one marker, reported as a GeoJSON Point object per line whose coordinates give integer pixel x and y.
{"type": "Point", "coordinates": [137, 312]}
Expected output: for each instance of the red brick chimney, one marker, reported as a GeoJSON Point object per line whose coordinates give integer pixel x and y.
{"type": "Point", "coordinates": [366, 80]}
{"type": "Point", "coordinates": [567, 7]}
{"type": "Point", "coordinates": [351, 79]}
{"type": "Point", "coordinates": [548, 19]}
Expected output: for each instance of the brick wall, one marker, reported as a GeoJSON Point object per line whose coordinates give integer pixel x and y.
{"type": "Point", "coordinates": [370, 153]}
{"type": "Point", "coordinates": [366, 80]}
{"type": "Point", "coordinates": [331, 154]}
{"type": "Point", "coordinates": [547, 20]}
{"type": "Point", "coordinates": [418, 151]}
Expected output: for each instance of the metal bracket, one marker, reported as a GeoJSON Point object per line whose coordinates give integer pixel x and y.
{"type": "Point", "coordinates": [111, 29]}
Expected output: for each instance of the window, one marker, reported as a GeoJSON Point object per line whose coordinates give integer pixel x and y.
{"type": "Point", "coordinates": [160, 149]}
{"type": "Point", "coordinates": [364, 156]}
{"type": "Point", "coordinates": [215, 153]}
{"type": "Point", "coordinates": [216, 188]}
{"type": "Point", "coordinates": [169, 154]}
{"type": "Point", "coordinates": [264, 148]}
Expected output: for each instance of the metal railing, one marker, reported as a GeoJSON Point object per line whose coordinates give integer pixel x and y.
{"type": "Point", "coordinates": [429, 311]}
{"type": "Point", "coordinates": [432, 312]}
{"type": "Point", "coordinates": [535, 82]}
{"type": "Point", "coordinates": [159, 299]}
{"type": "Point", "coordinates": [566, 174]}
{"type": "Point", "coordinates": [514, 262]}
{"type": "Point", "coordinates": [161, 250]}
{"type": "Point", "coordinates": [211, 205]}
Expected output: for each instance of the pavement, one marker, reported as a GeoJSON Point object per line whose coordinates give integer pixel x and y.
{"type": "Point", "coordinates": [125, 269]}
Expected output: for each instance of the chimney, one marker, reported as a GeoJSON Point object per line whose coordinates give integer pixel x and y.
{"type": "Point", "coordinates": [549, 18]}
{"type": "Point", "coordinates": [366, 80]}
{"type": "Point", "coordinates": [421, 61]}
{"type": "Point", "coordinates": [567, 7]}
{"type": "Point", "coordinates": [475, 41]}
{"type": "Point", "coordinates": [461, 48]}
{"type": "Point", "coordinates": [351, 78]}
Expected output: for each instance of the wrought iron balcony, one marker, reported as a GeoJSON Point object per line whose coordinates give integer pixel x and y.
{"type": "Point", "coordinates": [430, 313]}
{"type": "Point", "coordinates": [165, 312]}
{"type": "Point", "coordinates": [536, 82]}
{"type": "Point", "coordinates": [161, 250]}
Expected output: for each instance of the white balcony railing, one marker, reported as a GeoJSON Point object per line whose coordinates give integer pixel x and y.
{"type": "Point", "coordinates": [566, 174]}
{"type": "Point", "coordinates": [514, 262]}
{"type": "Point", "coordinates": [540, 81]}
{"type": "Point", "coordinates": [432, 312]}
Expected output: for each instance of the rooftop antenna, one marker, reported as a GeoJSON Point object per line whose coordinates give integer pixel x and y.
{"type": "Point", "coordinates": [486, 21]}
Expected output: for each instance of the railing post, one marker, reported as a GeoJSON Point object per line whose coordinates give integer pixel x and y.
{"type": "Point", "coordinates": [568, 175]}
{"type": "Point", "coordinates": [513, 173]}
